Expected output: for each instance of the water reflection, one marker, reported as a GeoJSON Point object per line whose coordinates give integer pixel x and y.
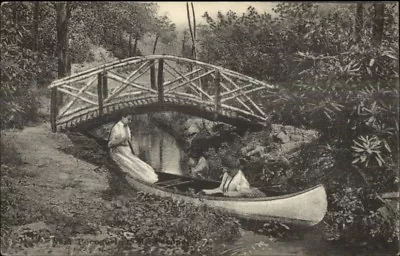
{"type": "Point", "coordinates": [156, 147]}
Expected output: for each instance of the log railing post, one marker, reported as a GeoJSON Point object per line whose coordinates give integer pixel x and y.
{"type": "Point", "coordinates": [152, 75]}
{"type": "Point", "coordinates": [105, 85]}
{"type": "Point", "coordinates": [53, 109]}
{"type": "Point", "coordinates": [160, 81]}
{"type": "Point", "coordinates": [100, 92]}
{"type": "Point", "coordinates": [60, 98]}
{"type": "Point", "coordinates": [217, 81]}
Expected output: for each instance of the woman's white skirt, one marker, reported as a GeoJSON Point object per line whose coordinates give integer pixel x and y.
{"type": "Point", "coordinates": [132, 165]}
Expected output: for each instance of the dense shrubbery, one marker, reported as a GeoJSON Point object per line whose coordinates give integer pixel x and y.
{"type": "Point", "coordinates": [307, 43]}
{"type": "Point", "coordinates": [18, 103]}
{"type": "Point", "coordinates": [172, 226]}
{"type": "Point", "coordinates": [29, 50]}
{"type": "Point", "coordinates": [337, 79]}
{"type": "Point", "coordinates": [24, 67]}
{"type": "Point", "coordinates": [136, 222]}
{"type": "Point", "coordinates": [359, 130]}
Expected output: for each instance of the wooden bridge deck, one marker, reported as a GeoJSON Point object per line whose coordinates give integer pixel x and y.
{"type": "Point", "coordinates": [153, 84]}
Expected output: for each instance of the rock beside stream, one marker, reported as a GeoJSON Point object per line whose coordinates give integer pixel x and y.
{"type": "Point", "coordinates": [287, 139]}
{"type": "Point", "coordinates": [266, 155]}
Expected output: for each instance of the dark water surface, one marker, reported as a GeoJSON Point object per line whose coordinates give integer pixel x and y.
{"type": "Point", "coordinates": [157, 148]}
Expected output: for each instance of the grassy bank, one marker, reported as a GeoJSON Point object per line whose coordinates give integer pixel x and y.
{"type": "Point", "coordinates": [94, 214]}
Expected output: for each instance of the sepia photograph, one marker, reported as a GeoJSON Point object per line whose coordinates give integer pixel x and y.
{"type": "Point", "coordinates": [199, 128]}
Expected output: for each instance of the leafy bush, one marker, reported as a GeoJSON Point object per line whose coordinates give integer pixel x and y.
{"type": "Point", "coordinates": [359, 130]}
{"type": "Point", "coordinates": [18, 105]}
{"type": "Point", "coordinates": [309, 43]}
{"type": "Point", "coordinates": [24, 68]}
{"type": "Point", "coordinates": [360, 209]}
{"type": "Point", "coordinates": [331, 81]}
{"type": "Point", "coordinates": [172, 226]}
{"type": "Point", "coordinates": [9, 159]}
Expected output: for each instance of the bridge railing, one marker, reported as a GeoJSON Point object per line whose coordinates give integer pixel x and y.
{"type": "Point", "coordinates": [100, 90]}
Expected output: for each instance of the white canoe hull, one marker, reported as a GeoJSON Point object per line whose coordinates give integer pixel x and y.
{"type": "Point", "coordinates": [306, 208]}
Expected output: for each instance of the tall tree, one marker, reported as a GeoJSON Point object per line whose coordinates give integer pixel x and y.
{"type": "Point", "coordinates": [63, 15]}
{"type": "Point", "coordinates": [15, 7]}
{"type": "Point", "coordinates": [185, 38]}
{"type": "Point", "coordinates": [135, 47]}
{"type": "Point", "coordinates": [164, 31]}
{"type": "Point", "coordinates": [192, 29]}
{"type": "Point", "coordinates": [378, 23]}
{"type": "Point", "coordinates": [155, 43]}
{"type": "Point", "coordinates": [359, 21]}
{"type": "Point", "coordinates": [36, 10]}
{"type": "Point", "coordinates": [194, 33]}
{"type": "Point", "coordinates": [130, 46]}
{"type": "Point", "coordinates": [139, 21]}
{"type": "Point", "coordinates": [126, 19]}
{"type": "Point", "coordinates": [36, 14]}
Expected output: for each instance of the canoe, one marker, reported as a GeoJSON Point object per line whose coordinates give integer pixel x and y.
{"type": "Point", "coordinates": [305, 208]}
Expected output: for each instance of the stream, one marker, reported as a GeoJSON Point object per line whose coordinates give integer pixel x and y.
{"type": "Point", "coordinates": [157, 148]}
{"type": "Point", "coordinates": [160, 150]}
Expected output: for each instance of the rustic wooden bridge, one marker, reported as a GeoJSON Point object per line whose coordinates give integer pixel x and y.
{"type": "Point", "coordinates": [154, 83]}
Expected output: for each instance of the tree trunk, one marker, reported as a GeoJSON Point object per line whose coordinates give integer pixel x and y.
{"type": "Point", "coordinates": [359, 22]}
{"type": "Point", "coordinates": [105, 34]}
{"type": "Point", "coordinates": [190, 26]}
{"type": "Point", "coordinates": [36, 26]}
{"type": "Point", "coordinates": [130, 46]}
{"type": "Point", "coordinates": [67, 40]}
{"type": "Point", "coordinates": [135, 46]}
{"type": "Point", "coordinates": [15, 19]}
{"type": "Point", "coordinates": [194, 33]}
{"type": "Point", "coordinates": [63, 15]}
{"type": "Point", "coordinates": [62, 37]}
{"type": "Point", "coordinates": [101, 20]}
{"type": "Point", "coordinates": [36, 11]}
{"type": "Point", "coordinates": [121, 41]}
{"type": "Point", "coordinates": [183, 43]}
{"type": "Point", "coordinates": [378, 24]}
{"type": "Point", "coordinates": [155, 44]}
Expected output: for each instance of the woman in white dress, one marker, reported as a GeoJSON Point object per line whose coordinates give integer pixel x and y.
{"type": "Point", "coordinates": [122, 153]}
{"type": "Point", "coordinates": [199, 169]}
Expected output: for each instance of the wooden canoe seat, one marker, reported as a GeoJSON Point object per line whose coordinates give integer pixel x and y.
{"type": "Point", "coordinates": [167, 182]}
{"type": "Point", "coordinates": [178, 183]}
{"type": "Point", "coordinates": [174, 182]}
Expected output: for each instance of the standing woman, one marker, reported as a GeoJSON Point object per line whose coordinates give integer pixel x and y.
{"type": "Point", "coordinates": [121, 151]}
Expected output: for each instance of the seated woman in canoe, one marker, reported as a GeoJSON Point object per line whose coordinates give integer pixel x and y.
{"type": "Point", "coordinates": [121, 151]}
{"type": "Point", "coordinates": [234, 183]}
{"type": "Point", "coordinates": [199, 169]}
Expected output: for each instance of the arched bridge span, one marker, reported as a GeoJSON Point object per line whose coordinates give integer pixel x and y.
{"type": "Point", "coordinates": [154, 83]}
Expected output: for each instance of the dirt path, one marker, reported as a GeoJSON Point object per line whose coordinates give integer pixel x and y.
{"type": "Point", "coordinates": [54, 177]}
{"type": "Point", "coordinates": [55, 186]}
{"type": "Point", "coordinates": [51, 176]}
{"type": "Point", "coordinates": [57, 189]}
